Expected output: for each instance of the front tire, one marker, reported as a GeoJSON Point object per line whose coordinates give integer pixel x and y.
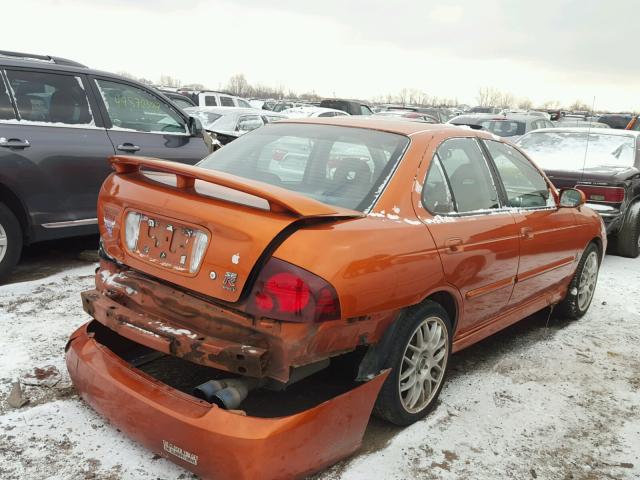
{"type": "Point", "coordinates": [583, 284]}
{"type": "Point", "coordinates": [419, 359]}
{"type": "Point", "coordinates": [10, 241]}
{"type": "Point", "coordinates": [628, 238]}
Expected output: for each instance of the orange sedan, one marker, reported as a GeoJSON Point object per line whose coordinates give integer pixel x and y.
{"type": "Point", "coordinates": [224, 286]}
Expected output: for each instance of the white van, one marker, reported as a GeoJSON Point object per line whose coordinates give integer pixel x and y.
{"type": "Point", "coordinates": [210, 98]}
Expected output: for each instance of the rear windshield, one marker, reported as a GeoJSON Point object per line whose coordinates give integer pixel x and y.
{"type": "Point", "coordinates": [569, 150]}
{"type": "Point", "coordinates": [341, 166]}
{"type": "Point", "coordinates": [503, 128]}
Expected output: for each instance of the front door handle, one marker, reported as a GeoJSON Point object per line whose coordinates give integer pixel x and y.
{"type": "Point", "coordinates": [128, 147]}
{"type": "Point", "coordinates": [526, 233]}
{"type": "Point", "coordinates": [14, 143]}
{"type": "Point", "coordinates": [453, 245]}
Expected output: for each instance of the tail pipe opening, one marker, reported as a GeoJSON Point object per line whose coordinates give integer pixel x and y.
{"type": "Point", "coordinates": [227, 393]}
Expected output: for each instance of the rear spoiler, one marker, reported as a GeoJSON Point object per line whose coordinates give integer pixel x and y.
{"type": "Point", "coordinates": [280, 199]}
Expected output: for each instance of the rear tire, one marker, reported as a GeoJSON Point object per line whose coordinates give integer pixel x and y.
{"type": "Point", "coordinates": [10, 241]}
{"type": "Point", "coordinates": [419, 360]}
{"type": "Point", "coordinates": [583, 285]}
{"type": "Point", "coordinates": [628, 237]}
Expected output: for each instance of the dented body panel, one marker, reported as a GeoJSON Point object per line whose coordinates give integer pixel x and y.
{"type": "Point", "coordinates": [212, 442]}
{"type": "Point", "coordinates": [369, 267]}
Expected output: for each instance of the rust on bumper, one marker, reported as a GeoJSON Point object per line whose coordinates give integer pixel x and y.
{"type": "Point", "coordinates": [211, 442]}
{"type": "Point", "coordinates": [176, 339]}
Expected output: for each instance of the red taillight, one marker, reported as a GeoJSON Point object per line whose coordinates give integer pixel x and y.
{"type": "Point", "coordinates": [289, 290]}
{"type": "Point", "coordinates": [291, 294]}
{"type": "Point", "coordinates": [602, 194]}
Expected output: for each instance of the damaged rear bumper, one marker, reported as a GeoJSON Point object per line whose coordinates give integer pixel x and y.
{"type": "Point", "coordinates": [250, 360]}
{"type": "Point", "coordinates": [212, 442]}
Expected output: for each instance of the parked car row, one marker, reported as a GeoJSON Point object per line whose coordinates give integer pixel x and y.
{"type": "Point", "coordinates": [510, 125]}
{"type": "Point", "coordinates": [227, 124]}
{"type": "Point", "coordinates": [602, 163]}
{"type": "Point", "coordinates": [59, 121]}
{"type": "Point", "coordinates": [319, 235]}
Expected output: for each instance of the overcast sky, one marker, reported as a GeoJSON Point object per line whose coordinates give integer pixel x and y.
{"type": "Point", "coordinates": [561, 50]}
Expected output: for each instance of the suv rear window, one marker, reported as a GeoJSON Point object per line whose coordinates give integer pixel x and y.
{"type": "Point", "coordinates": [6, 109]}
{"type": "Point", "coordinates": [50, 98]}
{"type": "Point", "coordinates": [504, 128]}
{"type": "Point", "coordinates": [340, 166]}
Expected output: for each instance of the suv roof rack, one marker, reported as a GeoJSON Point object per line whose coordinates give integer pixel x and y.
{"type": "Point", "coordinates": [41, 58]}
{"type": "Point", "coordinates": [190, 90]}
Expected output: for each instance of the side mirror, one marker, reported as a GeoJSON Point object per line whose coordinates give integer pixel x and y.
{"type": "Point", "coordinates": [572, 198]}
{"type": "Point", "coordinates": [195, 127]}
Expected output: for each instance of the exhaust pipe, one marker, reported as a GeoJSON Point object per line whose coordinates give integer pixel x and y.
{"type": "Point", "coordinates": [227, 393]}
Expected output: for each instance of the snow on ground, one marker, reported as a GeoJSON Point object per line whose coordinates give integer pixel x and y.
{"type": "Point", "coordinates": [546, 398]}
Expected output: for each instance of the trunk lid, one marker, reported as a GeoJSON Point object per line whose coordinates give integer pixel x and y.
{"type": "Point", "coordinates": [243, 221]}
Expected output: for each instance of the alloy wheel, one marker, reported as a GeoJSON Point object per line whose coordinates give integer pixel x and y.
{"type": "Point", "coordinates": [3, 242]}
{"type": "Point", "coordinates": [423, 364]}
{"type": "Point", "coordinates": [588, 280]}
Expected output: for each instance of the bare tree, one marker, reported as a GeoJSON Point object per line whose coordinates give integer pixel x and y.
{"type": "Point", "coordinates": [125, 74]}
{"type": "Point", "coordinates": [238, 85]}
{"type": "Point", "coordinates": [579, 105]}
{"type": "Point", "coordinates": [506, 100]}
{"type": "Point", "coordinates": [489, 97]}
{"type": "Point", "coordinates": [403, 95]}
{"type": "Point", "coordinates": [551, 104]}
{"type": "Point", "coordinates": [194, 86]}
{"type": "Point", "coordinates": [169, 81]}
{"type": "Point", "coordinates": [525, 104]}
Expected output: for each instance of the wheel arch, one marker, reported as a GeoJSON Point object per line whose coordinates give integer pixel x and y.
{"type": "Point", "coordinates": [13, 202]}
{"type": "Point", "coordinates": [376, 353]}
{"type": "Point", "coordinates": [597, 241]}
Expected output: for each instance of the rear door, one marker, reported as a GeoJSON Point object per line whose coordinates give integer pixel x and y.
{"type": "Point", "coordinates": [54, 150]}
{"type": "Point", "coordinates": [477, 239]}
{"type": "Point", "coordinates": [226, 101]}
{"type": "Point", "coordinates": [139, 122]}
{"type": "Point", "coordinates": [547, 243]}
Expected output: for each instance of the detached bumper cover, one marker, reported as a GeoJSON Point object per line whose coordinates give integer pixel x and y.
{"type": "Point", "coordinates": [211, 442]}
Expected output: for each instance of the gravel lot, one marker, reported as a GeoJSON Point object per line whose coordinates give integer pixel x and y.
{"type": "Point", "coordinates": [546, 398]}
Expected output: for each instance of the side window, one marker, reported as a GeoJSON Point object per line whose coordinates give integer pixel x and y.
{"type": "Point", "coordinates": [243, 103]}
{"type": "Point", "coordinates": [226, 101]}
{"type": "Point", "coordinates": [525, 187]}
{"type": "Point", "coordinates": [249, 122]}
{"type": "Point", "coordinates": [468, 174]}
{"type": "Point", "coordinates": [210, 101]}
{"type": "Point", "coordinates": [132, 108]}
{"type": "Point", "coordinates": [6, 109]}
{"type": "Point", "coordinates": [271, 118]}
{"type": "Point", "coordinates": [50, 98]}
{"type": "Point", "coordinates": [436, 196]}
{"type": "Point", "coordinates": [327, 114]}
{"type": "Point", "coordinates": [364, 110]}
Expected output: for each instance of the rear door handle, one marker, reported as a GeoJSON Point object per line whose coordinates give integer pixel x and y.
{"type": "Point", "coordinates": [526, 233]}
{"type": "Point", "coordinates": [128, 147]}
{"type": "Point", "coordinates": [14, 143]}
{"type": "Point", "coordinates": [453, 245]}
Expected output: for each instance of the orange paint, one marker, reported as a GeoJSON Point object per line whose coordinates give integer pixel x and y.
{"type": "Point", "coordinates": [496, 269]}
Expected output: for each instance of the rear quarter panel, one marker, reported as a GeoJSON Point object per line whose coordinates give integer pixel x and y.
{"type": "Point", "coordinates": [378, 264]}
